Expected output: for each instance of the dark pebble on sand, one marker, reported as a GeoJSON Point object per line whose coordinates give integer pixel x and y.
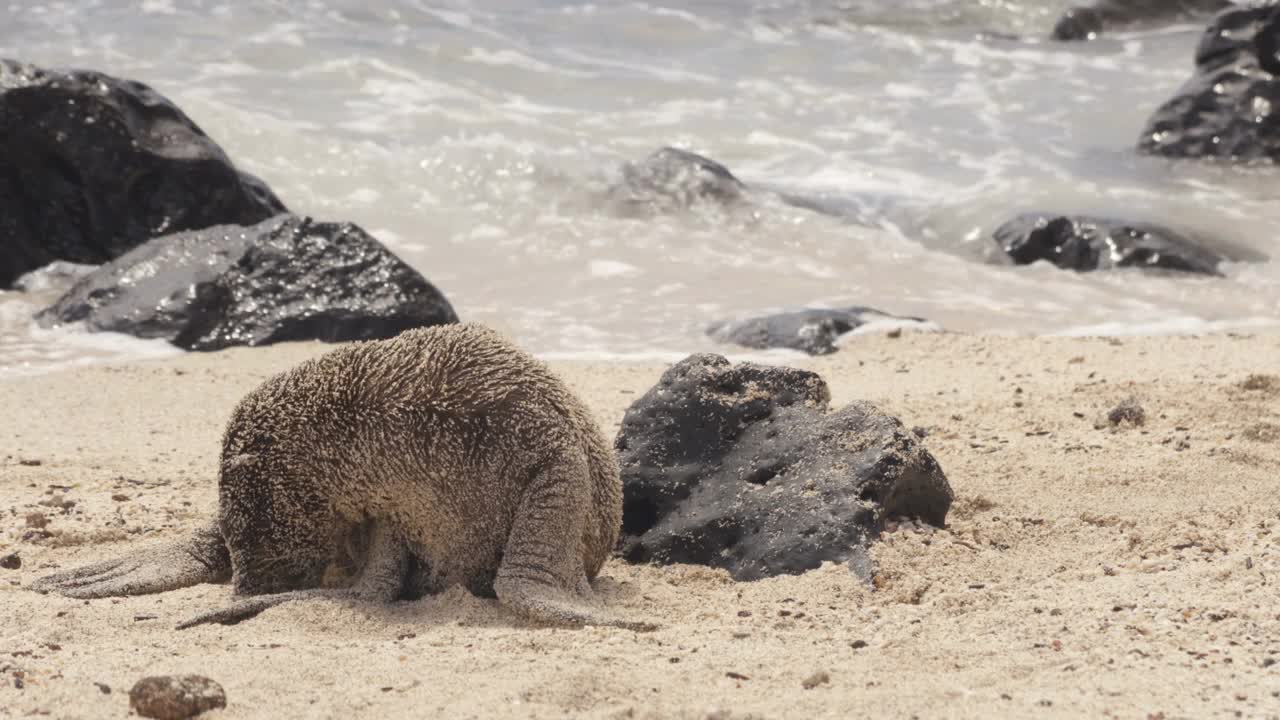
{"type": "Point", "coordinates": [57, 501]}
{"type": "Point", "coordinates": [819, 678]}
{"type": "Point", "coordinates": [1128, 412]}
{"type": "Point", "coordinates": [175, 697]}
{"type": "Point", "coordinates": [30, 462]}
{"type": "Point", "coordinates": [36, 520]}
{"type": "Point", "coordinates": [11, 561]}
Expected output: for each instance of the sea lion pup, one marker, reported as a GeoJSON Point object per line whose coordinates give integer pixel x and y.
{"type": "Point", "coordinates": [445, 455]}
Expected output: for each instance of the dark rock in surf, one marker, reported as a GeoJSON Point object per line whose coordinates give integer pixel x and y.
{"type": "Point", "coordinates": [1230, 108]}
{"type": "Point", "coordinates": [742, 468]}
{"type": "Point", "coordinates": [811, 330]}
{"type": "Point", "coordinates": [1089, 21]}
{"type": "Point", "coordinates": [1088, 243]}
{"type": "Point", "coordinates": [671, 179]}
{"type": "Point", "coordinates": [92, 166]}
{"type": "Point", "coordinates": [288, 278]}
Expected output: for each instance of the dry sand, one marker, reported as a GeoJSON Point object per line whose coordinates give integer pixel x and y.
{"type": "Point", "coordinates": [1084, 571]}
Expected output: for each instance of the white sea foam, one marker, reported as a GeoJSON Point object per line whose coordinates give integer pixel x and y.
{"type": "Point", "coordinates": [478, 138]}
{"type": "Point", "coordinates": [40, 350]}
{"type": "Point", "coordinates": [612, 269]}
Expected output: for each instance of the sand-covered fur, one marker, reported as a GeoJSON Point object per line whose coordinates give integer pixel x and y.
{"type": "Point", "coordinates": [444, 456]}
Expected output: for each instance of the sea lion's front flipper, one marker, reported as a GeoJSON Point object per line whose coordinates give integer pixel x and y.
{"type": "Point", "coordinates": [541, 575]}
{"type": "Point", "coordinates": [381, 580]}
{"type": "Point", "coordinates": [199, 558]}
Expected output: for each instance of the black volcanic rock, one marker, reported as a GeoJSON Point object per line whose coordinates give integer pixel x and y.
{"type": "Point", "coordinates": [1085, 22]}
{"type": "Point", "coordinates": [672, 179]}
{"type": "Point", "coordinates": [288, 278]}
{"type": "Point", "coordinates": [742, 468]}
{"type": "Point", "coordinates": [1230, 108]}
{"type": "Point", "coordinates": [92, 166]}
{"type": "Point", "coordinates": [811, 330]}
{"type": "Point", "coordinates": [1088, 243]}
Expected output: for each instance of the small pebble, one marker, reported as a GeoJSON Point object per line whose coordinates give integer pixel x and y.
{"type": "Point", "coordinates": [819, 678]}
{"type": "Point", "coordinates": [1128, 412]}
{"type": "Point", "coordinates": [36, 520]}
{"type": "Point", "coordinates": [175, 697]}
{"type": "Point", "coordinates": [119, 497]}
{"type": "Point", "coordinates": [59, 501]}
{"type": "Point", "coordinates": [858, 644]}
{"type": "Point", "coordinates": [11, 561]}
{"type": "Point", "coordinates": [31, 462]}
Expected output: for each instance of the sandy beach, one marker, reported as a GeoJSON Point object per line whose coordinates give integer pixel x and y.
{"type": "Point", "coordinates": [1085, 571]}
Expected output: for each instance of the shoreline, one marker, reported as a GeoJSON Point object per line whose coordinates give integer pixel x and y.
{"type": "Point", "coordinates": [98, 349]}
{"type": "Point", "coordinates": [1083, 571]}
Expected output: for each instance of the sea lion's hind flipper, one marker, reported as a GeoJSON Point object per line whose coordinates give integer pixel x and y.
{"type": "Point", "coordinates": [199, 558]}
{"type": "Point", "coordinates": [541, 577]}
{"type": "Point", "coordinates": [246, 607]}
{"type": "Point", "coordinates": [381, 580]}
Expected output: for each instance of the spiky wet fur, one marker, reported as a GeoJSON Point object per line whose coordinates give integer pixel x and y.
{"type": "Point", "coordinates": [442, 456]}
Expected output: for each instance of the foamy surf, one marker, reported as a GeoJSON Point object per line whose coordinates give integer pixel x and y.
{"type": "Point", "coordinates": [477, 141]}
{"type": "Point", "coordinates": [41, 350]}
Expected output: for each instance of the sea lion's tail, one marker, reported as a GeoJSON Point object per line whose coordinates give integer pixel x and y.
{"type": "Point", "coordinates": [201, 557]}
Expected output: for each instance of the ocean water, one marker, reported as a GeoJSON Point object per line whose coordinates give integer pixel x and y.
{"type": "Point", "coordinates": [476, 139]}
